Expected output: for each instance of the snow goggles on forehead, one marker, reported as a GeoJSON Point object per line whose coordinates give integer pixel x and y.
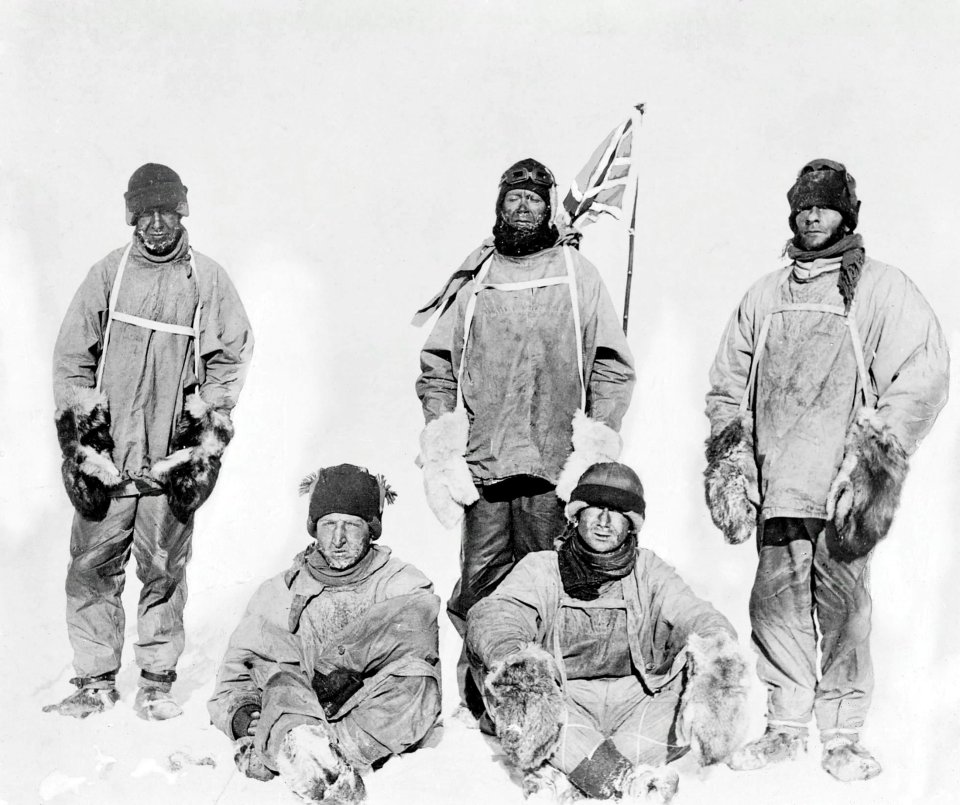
{"type": "Point", "coordinates": [540, 176]}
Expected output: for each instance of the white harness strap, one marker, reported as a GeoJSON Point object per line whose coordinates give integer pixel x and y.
{"type": "Point", "coordinates": [817, 308]}
{"type": "Point", "coordinates": [479, 285]}
{"type": "Point", "coordinates": [114, 314]}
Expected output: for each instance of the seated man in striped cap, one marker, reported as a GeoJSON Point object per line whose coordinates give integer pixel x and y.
{"type": "Point", "coordinates": [600, 665]}
{"type": "Point", "coordinates": [334, 665]}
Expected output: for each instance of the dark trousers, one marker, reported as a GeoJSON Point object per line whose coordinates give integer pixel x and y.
{"type": "Point", "coordinates": [799, 587]}
{"type": "Point", "coordinates": [510, 520]}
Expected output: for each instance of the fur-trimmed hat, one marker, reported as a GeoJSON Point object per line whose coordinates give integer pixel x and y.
{"type": "Point", "coordinates": [155, 186]}
{"type": "Point", "coordinates": [610, 485]}
{"type": "Point", "coordinates": [825, 183]}
{"type": "Point", "coordinates": [346, 489]}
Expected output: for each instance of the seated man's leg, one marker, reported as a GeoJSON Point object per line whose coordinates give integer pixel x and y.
{"type": "Point", "coordinates": [287, 701]}
{"type": "Point", "coordinates": [388, 716]}
{"type": "Point", "coordinates": [645, 728]}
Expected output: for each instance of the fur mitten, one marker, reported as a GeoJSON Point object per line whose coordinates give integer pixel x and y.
{"type": "Point", "coordinates": [190, 472]}
{"type": "Point", "coordinates": [593, 442]}
{"type": "Point", "coordinates": [866, 492]}
{"type": "Point", "coordinates": [527, 706]}
{"type": "Point", "coordinates": [731, 481]}
{"type": "Point", "coordinates": [446, 476]}
{"type": "Point", "coordinates": [314, 767]}
{"type": "Point", "coordinates": [714, 714]}
{"type": "Point", "coordinates": [83, 429]}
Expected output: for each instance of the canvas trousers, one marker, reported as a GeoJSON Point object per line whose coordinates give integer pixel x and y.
{"type": "Point", "coordinates": [388, 716]}
{"type": "Point", "coordinates": [510, 520]}
{"type": "Point", "coordinates": [800, 589]}
{"type": "Point", "coordinates": [99, 552]}
{"type": "Point", "coordinates": [643, 728]}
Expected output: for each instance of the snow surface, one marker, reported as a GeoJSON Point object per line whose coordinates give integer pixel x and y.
{"type": "Point", "coordinates": [342, 159]}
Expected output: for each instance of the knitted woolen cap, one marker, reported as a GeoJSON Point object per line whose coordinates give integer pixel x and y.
{"type": "Point", "coordinates": [346, 489]}
{"type": "Point", "coordinates": [155, 186]}
{"type": "Point", "coordinates": [609, 485]}
{"type": "Point", "coordinates": [825, 183]}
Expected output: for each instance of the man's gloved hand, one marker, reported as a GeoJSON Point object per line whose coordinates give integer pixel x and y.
{"type": "Point", "coordinates": [250, 762]}
{"type": "Point", "coordinates": [334, 688]}
{"type": "Point", "coordinates": [446, 477]}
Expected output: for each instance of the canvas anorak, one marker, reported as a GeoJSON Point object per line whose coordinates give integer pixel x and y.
{"type": "Point", "coordinates": [807, 388]}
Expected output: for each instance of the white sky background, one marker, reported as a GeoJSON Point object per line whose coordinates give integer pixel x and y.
{"type": "Point", "coordinates": [342, 159]}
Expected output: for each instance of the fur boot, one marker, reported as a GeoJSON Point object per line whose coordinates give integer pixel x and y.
{"type": "Point", "coordinates": [446, 477]}
{"type": "Point", "coordinates": [250, 762]}
{"type": "Point", "coordinates": [644, 784]}
{"type": "Point", "coordinates": [527, 706]}
{"type": "Point", "coordinates": [190, 472]}
{"type": "Point", "coordinates": [714, 709]}
{"type": "Point", "coordinates": [731, 481]}
{"type": "Point", "coordinates": [866, 492]}
{"type": "Point", "coordinates": [311, 763]}
{"type": "Point", "coordinates": [83, 429]}
{"type": "Point", "coordinates": [845, 759]}
{"type": "Point", "coordinates": [593, 442]}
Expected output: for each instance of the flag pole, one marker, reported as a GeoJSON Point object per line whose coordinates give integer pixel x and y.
{"type": "Point", "coordinates": [633, 219]}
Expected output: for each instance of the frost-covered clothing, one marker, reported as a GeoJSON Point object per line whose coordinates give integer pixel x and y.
{"type": "Point", "coordinates": [807, 389]}
{"type": "Point", "coordinates": [146, 377]}
{"type": "Point", "coordinates": [521, 383]}
{"type": "Point", "coordinates": [380, 625]}
{"type": "Point", "coordinates": [807, 392]}
{"type": "Point", "coordinates": [628, 643]}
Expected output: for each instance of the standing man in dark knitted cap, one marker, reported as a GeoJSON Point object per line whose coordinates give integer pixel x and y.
{"type": "Point", "coordinates": [149, 363]}
{"type": "Point", "coordinates": [334, 665]}
{"type": "Point", "coordinates": [526, 365]}
{"type": "Point", "coordinates": [600, 665]}
{"type": "Point", "coordinates": [828, 376]}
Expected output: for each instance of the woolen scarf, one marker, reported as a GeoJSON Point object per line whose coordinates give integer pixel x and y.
{"type": "Point", "coordinates": [583, 571]}
{"type": "Point", "coordinates": [317, 567]}
{"type": "Point", "coordinates": [852, 254]}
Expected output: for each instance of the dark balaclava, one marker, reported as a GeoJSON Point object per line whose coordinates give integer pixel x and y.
{"type": "Point", "coordinates": [346, 489]}
{"type": "Point", "coordinates": [825, 183]}
{"type": "Point", "coordinates": [527, 174]}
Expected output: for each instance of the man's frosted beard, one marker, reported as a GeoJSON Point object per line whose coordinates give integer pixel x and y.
{"type": "Point", "coordinates": [160, 245]}
{"type": "Point", "coordinates": [515, 241]}
{"type": "Point", "coordinates": [840, 233]}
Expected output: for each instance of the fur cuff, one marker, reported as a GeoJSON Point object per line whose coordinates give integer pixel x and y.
{"type": "Point", "coordinates": [714, 702]}
{"type": "Point", "coordinates": [83, 430]}
{"type": "Point", "coordinates": [866, 492]}
{"type": "Point", "coordinates": [731, 481]}
{"type": "Point", "coordinates": [593, 441]}
{"type": "Point", "coordinates": [527, 706]}
{"type": "Point", "coordinates": [446, 477]}
{"type": "Point", "coordinates": [190, 472]}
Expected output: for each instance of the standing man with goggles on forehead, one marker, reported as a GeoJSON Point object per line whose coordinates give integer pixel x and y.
{"type": "Point", "coordinates": [149, 363]}
{"type": "Point", "coordinates": [524, 382]}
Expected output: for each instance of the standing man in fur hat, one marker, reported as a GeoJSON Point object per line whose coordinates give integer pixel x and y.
{"type": "Point", "coordinates": [149, 363]}
{"type": "Point", "coordinates": [335, 664]}
{"type": "Point", "coordinates": [828, 376]}
{"type": "Point", "coordinates": [526, 364]}
{"type": "Point", "coordinates": [599, 664]}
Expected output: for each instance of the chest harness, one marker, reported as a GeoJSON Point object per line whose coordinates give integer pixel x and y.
{"type": "Point", "coordinates": [114, 315]}
{"type": "Point", "coordinates": [838, 310]}
{"type": "Point", "coordinates": [479, 284]}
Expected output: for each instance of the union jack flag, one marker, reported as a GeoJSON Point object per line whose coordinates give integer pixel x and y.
{"type": "Point", "coordinates": [601, 185]}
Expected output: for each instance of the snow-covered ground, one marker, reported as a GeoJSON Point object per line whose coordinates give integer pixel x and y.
{"type": "Point", "coordinates": [342, 159]}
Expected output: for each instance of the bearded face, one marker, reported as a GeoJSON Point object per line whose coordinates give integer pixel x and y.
{"type": "Point", "coordinates": [159, 231]}
{"type": "Point", "coordinates": [522, 224]}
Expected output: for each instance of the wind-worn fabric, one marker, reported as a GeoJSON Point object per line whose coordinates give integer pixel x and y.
{"type": "Point", "coordinates": [528, 607]}
{"type": "Point", "coordinates": [383, 628]}
{"type": "Point", "coordinates": [147, 372]}
{"type": "Point", "coordinates": [521, 383]}
{"type": "Point", "coordinates": [807, 389]}
{"type": "Point", "coordinates": [797, 576]}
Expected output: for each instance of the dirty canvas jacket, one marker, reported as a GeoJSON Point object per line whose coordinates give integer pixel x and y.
{"type": "Point", "coordinates": [521, 380]}
{"type": "Point", "coordinates": [807, 388]}
{"type": "Point", "coordinates": [391, 631]}
{"type": "Point", "coordinates": [661, 613]}
{"type": "Point", "coordinates": [148, 371]}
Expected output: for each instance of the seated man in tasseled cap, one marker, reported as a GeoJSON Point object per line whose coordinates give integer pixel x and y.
{"type": "Point", "coordinates": [335, 664]}
{"type": "Point", "coordinates": [600, 665]}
